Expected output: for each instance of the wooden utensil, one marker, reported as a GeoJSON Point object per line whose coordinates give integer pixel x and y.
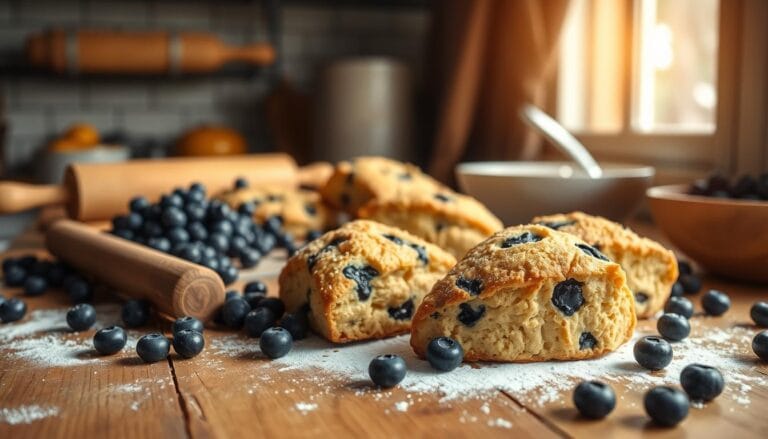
{"type": "Point", "coordinates": [175, 287]}
{"type": "Point", "coordinates": [150, 52]}
{"type": "Point", "coordinates": [97, 191]}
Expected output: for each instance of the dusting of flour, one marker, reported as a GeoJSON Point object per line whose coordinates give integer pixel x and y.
{"type": "Point", "coordinates": [26, 414]}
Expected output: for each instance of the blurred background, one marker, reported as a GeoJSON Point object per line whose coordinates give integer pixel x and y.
{"type": "Point", "coordinates": [678, 84]}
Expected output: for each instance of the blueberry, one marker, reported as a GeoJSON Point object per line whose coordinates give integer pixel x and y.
{"type": "Point", "coordinates": [224, 227]}
{"type": "Point", "coordinates": [152, 229]}
{"type": "Point", "coordinates": [273, 225]}
{"type": "Point", "coordinates": [218, 241]}
{"type": "Point", "coordinates": [296, 323]}
{"type": "Point", "coordinates": [258, 321]}
{"type": "Point", "coordinates": [231, 294]}
{"type": "Point", "coordinates": [683, 267]}
{"type": "Point", "coordinates": [188, 343]}
{"type": "Point", "coordinates": [253, 299]}
{"type": "Point", "coordinates": [78, 289]}
{"type": "Point", "coordinates": [35, 285]}
{"type": "Point", "coordinates": [275, 342]}
{"type": "Point", "coordinates": [653, 353]}
{"type": "Point", "coordinates": [160, 243]}
{"type": "Point", "coordinates": [362, 276]}
{"type": "Point", "coordinates": [2, 299]}
{"type": "Point", "coordinates": [715, 303]}
{"type": "Point", "coordinates": [187, 322]}
{"type": "Point", "coordinates": [246, 209]}
{"type": "Point", "coordinates": [210, 262]}
{"type": "Point", "coordinates": [256, 286]}
{"type": "Point", "coordinates": [444, 353]}
{"type": "Point", "coordinates": [197, 232]}
{"type": "Point", "coordinates": [387, 370]}
{"type": "Point", "coordinates": [592, 251]}
{"type": "Point", "coordinates": [523, 238]}
{"type": "Point", "coordinates": [177, 235]}
{"type": "Point", "coordinates": [12, 310]}
{"type": "Point", "coordinates": [313, 234]}
{"type": "Point", "coordinates": [228, 274]}
{"type": "Point", "coordinates": [174, 217]}
{"type": "Point", "coordinates": [197, 187]}
{"type": "Point", "coordinates": [134, 221]}
{"type": "Point", "coordinates": [171, 200]}
{"type": "Point", "coordinates": [759, 314]}
{"type": "Point", "coordinates": [567, 296]}
{"type": "Point", "coordinates": [594, 399]}
{"type": "Point", "coordinates": [701, 383]}
{"type": "Point", "coordinates": [679, 305]}
{"type": "Point", "coordinates": [275, 304]}
{"type": "Point", "coordinates": [236, 246]}
{"type": "Point", "coordinates": [109, 340]}
{"type": "Point", "coordinates": [677, 289]}
{"type": "Point", "coordinates": [241, 183]}
{"type": "Point", "coordinates": [759, 343]}
{"type": "Point", "coordinates": [135, 313]}
{"type": "Point", "coordinates": [641, 297]}
{"type": "Point", "coordinates": [443, 198]}
{"type": "Point", "coordinates": [191, 253]}
{"type": "Point", "coordinates": [139, 204]}
{"type": "Point", "coordinates": [473, 286]}
{"type": "Point", "coordinates": [153, 347]}
{"type": "Point", "coordinates": [15, 275]}
{"type": "Point", "coordinates": [468, 315]}
{"type": "Point", "coordinates": [402, 312]}
{"type": "Point", "coordinates": [120, 222]}
{"type": "Point", "coordinates": [666, 406]}
{"type": "Point", "coordinates": [249, 257]}
{"type": "Point", "coordinates": [56, 275]}
{"type": "Point", "coordinates": [690, 282]}
{"type": "Point", "coordinates": [233, 312]}
{"type": "Point", "coordinates": [81, 317]}
{"type": "Point", "coordinates": [673, 327]}
{"type": "Point", "coordinates": [587, 341]}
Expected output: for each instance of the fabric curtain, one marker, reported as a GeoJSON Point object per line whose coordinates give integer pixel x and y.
{"type": "Point", "coordinates": [490, 57]}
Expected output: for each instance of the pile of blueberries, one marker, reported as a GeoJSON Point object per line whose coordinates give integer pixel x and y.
{"type": "Point", "coordinates": [186, 224]}
{"type": "Point", "coordinates": [35, 276]}
{"type": "Point", "coordinates": [745, 187]}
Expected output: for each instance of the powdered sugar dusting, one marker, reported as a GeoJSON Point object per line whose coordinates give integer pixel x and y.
{"type": "Point", "coordinates": [27, 414]}
{"type": "Point", "coordinates": [533, 383]}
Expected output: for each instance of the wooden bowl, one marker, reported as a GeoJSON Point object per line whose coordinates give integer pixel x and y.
{"type": "Point", "coordinates": [519, 191]}
{"type": "Point", "coordinates": [727, 237]}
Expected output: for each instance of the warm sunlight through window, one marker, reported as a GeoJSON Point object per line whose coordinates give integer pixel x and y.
{"type": "Point", "coordinates": [645, 66]}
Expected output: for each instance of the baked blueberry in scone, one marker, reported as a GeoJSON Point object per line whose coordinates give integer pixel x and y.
{"type": "Point", "coordinates": [651, 269]}
{"type": "Point", "coordinates": [301, 211]}
{"type": "Point", "coordinates": [363, 179]}
{"type": "Point", "coordinates": [529, 293]}
{"type": "Point", "coordinates": [453, 221]}
{"type": "Point", "coordinates": [362, 281]}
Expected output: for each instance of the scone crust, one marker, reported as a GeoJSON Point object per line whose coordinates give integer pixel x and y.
{"type": "Point", "coordinates": [301, 210]}
{"type": "Point", "coordinates": [521, 278]}
{"type": "Point", "coordinates": [320, 265]}
{"type": "Point", "coordinates": [453, 221]}
{"type": "Point", "coordinates": [656, 271]}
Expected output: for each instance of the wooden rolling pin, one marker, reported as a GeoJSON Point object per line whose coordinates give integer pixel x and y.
{"type": "Point", "coordinates": [98, 191]}
{"type": "Point", "coordinates": [175, 287]}
{"type": "Point", "coordinates": [149, 52]}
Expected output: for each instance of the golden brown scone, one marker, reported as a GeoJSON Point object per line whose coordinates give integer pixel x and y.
{"type": "Point", "coordinates": [362, 281]}
{"type": "Point", "coordinates": [302, 211]}
{"type": "Point", "coordinates": [529, 293]}
{"type": "Point", "coordinates": [651, 269]}
{"type": "Point", "coordinates": [355, 183]}
{"type": "Point", "coordinates": [450, 220]}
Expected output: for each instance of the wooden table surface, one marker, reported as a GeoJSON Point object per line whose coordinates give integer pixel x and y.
{"type": "Point", "coordinates": [239, 393]}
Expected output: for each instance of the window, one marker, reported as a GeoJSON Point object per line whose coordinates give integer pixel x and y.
{"type": "Point", "coordinates": [660, 81]}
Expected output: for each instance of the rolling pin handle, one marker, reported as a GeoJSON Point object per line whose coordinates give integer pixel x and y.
{"type": "Point", "coordinates": [18, 197]}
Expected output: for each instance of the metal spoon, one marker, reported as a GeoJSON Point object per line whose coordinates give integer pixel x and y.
{"type": "Point", "coordinates": [561, 138]}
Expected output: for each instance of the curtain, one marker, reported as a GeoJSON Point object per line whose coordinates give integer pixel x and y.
{"type": "Point", "coordinates": [490, 57]}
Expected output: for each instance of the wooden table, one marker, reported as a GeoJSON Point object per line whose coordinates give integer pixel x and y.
{"type": "Point", "coordinates": [241, 394]}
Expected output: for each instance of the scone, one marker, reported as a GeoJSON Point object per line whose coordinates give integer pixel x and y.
{"type": "Point", "coordinates": [302, 211]}
{"type": "Point", "coordinates": [455, 222]}
{"type": "Point", "coordinates": [362, 281]}
{"type": "Point", "coordinates": [651, 269]}
{"type": "Point", "coordinates": [355, 183]}
{"type": "Point", "coordinates": [529, 293]}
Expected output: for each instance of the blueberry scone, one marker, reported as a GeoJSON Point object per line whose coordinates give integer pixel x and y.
{"type": "Point", "coordinates": [529, 293]}
{"type": "Point", "coordinates": [450, 220]}
{"type": "Point", "coordinates": [302, 211]}
{"type": "Point", "coordinates": [362, 281]}
{"type": "Point", "coordinates": [651, 269]}
{"type": "Point", "coordinates": [355, 183]}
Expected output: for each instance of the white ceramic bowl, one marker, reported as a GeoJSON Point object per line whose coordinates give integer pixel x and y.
{"type": "Point", "coordinates": [518, 191]}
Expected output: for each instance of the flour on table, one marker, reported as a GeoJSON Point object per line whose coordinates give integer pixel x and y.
{"type": "Point", "coordinates": [305, 407]}
{"type": "Point", "coordinates": [500, 422]}
{"type": "Point", "coordinates": [27, 414]}
{"type": "Point", "coordinates": [402, 406]}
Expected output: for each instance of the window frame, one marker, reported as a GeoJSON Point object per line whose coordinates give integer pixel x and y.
{"type": "Point", "coordinates": [739, 144]}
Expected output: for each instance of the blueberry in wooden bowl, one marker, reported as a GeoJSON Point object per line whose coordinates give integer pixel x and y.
{"type": "Point", "coordinates": [727, 236]}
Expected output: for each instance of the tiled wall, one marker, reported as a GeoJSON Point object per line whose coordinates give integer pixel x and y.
{"type": "Point", "coordinates": [159, 110]}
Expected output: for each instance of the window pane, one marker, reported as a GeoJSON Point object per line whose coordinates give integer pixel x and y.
{"type": "Point", "coordinates": [675, 69]}
{"type": "Point", "coordinates": [590, 75]}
